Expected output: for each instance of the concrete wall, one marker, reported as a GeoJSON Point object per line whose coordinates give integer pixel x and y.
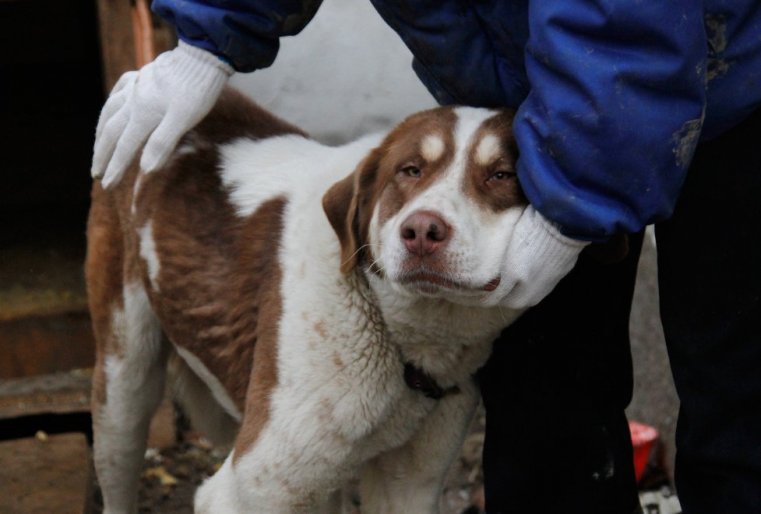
{"type": "Point", "coordinates": [345, 75]}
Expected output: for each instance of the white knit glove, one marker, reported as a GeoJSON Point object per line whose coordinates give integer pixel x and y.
{"type": "Point", "coordinates": [157, 104]}
{"type": "Point", "coordinates": [537, 257]}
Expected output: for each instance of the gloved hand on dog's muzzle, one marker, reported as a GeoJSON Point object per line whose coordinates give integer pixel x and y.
{"type": "Point", "coordinates": [157, 104]}
{"type": "Point", "coordinates": [537, 257]}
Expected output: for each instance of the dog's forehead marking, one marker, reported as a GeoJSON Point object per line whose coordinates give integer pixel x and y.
{"type": "Point", "coordinates": [469, 121]}
{"type": "Point", "coordinates": [432, 147]}
{"type": "Point", "coordinates": [488, 149]}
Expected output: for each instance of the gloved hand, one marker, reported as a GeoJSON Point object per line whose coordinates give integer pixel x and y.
{"type": "Point", "coordinates": [157, 104]}
{"type": "Point", "coordinates": [537, 257]}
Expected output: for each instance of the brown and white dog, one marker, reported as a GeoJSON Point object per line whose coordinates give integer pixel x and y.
{"type": "Point", "coordinates": [325, 307]}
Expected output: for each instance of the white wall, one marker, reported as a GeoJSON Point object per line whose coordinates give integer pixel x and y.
{"type": "Point", "coordinates": [346, 74]}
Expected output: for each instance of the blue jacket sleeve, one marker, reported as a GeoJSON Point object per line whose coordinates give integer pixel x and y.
{"type": "Point", "coordinates": [244, 33]}
{"type": "Point", "coordinates": [614, 111]}
{"type": "Point", "coordinates": [464, 54]}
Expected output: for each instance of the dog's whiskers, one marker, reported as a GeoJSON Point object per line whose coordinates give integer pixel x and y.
{"type": "Point", "coordinates": [350, 257]}
{"type": "Point", "coordinates": [375, 265]}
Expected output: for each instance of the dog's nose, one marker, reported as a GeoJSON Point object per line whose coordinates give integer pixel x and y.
{"type": "Point", "coordinates": [424, 232]}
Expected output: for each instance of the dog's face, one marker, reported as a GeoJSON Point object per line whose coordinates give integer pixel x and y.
{"type": "Point", "coordinates": [432, 209]}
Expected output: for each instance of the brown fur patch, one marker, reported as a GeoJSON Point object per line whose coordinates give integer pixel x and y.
{"type": "Point", "coordinates": [111, 263]}
{"type": "Point", "coordinates": [264, 373]}
{"type": "Point", "coordinates": [217, 290]}
{"type": "Point", "coordinates": [319, 327]}
{"type": "Point", "coordinates": [235, 116]}
{"type": "Point", "coordinates": [103, 269]}
{"type": "Point", "coordinates": [219, 276]}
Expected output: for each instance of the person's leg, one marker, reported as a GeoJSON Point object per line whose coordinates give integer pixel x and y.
{"type": "Point", "coordinates": [555, 389]}
{"type": "Point", "coordinates": [709, 260]}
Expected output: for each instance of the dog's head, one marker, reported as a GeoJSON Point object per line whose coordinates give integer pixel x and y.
{"type": "Point", "coordinates": [432, 209]}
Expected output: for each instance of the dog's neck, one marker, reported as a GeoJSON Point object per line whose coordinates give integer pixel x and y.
{"type": "Point", "coordinates": [441, 337]}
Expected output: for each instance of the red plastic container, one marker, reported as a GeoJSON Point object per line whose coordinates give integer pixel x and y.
{"type": "Point", "coordinates": [643, 440]}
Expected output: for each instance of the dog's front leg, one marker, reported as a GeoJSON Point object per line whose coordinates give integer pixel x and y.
{"type": "Point", "coordinates": [234, 491]}
{"type": "Point", "coordinates": [410, 478]}
{"type": "Point", "coordinates": [294, 465]}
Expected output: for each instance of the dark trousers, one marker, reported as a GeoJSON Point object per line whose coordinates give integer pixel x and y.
{"type": "Point", "coordinates": [557, 384]}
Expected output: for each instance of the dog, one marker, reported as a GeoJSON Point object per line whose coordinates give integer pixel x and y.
{"type": "Point", "coordinates": [323, 308]}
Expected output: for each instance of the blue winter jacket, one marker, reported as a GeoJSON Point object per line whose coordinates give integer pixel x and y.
{"type": "Point", "coordinates": [612, 95]}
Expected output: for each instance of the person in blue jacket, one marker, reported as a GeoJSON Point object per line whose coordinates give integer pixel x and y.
{"type": "Point", "coordinates": [613, 98]}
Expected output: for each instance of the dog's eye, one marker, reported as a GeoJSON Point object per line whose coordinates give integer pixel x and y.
{"type": "Point", "coordinates": [502, 175]}
{"type": "Point", "coordinates": [410, 170]}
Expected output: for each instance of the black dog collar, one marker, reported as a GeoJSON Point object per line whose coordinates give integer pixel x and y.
{"type": "Point", "coordinates": [419, 380]}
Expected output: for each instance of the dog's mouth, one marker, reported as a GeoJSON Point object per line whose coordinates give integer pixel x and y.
{"type": "Point", "coordinates": [493, 284]}
{"type": "Point", "coordinates": [428, 281]}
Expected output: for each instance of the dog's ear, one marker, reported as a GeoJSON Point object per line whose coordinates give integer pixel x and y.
{"type": "Point", "coordinates": [345, 203]}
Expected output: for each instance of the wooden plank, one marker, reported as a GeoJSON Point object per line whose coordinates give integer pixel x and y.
{"type": "Point", "coordinates": [44, 475]}
{"type": "Point", "coordinates": [142, 29]}
{"type": "Point", "coordinates": [130, 37]}
{"type": "Point", "coordinates": [42, 279]}
{"type": "Point", "coordinates": [67, 393]}
{"type": "Point", "coordinates": [116, 39]}
{"type": "Point", "coordinates": [58, 393]}
{"type": "Point", "coordinates": [37, 345]}
{"type": "Point", "coordinates": [44, 324]}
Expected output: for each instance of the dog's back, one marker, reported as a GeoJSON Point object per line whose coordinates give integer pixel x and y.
{"type": "Point", "coordinates": [216, 269]}
{"type": "Point", "coordinates": [185, 206]}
